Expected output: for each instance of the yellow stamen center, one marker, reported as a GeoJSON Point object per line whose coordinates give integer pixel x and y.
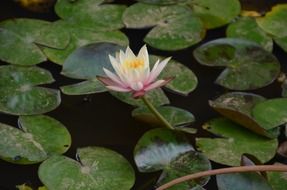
{"type": "Point", "coordinates": [134, 63]}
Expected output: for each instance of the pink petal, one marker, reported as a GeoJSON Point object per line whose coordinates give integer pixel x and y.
{"type": "Point", "coordinates": [158, 84]}
{"type": "Point", "coordinates": [118, 88]}
{"type": "Point", "coordinates": [114, 77]}
{"type": "Point", "coordinates": [156, 71]}
{"type": "Point", "coordinates": [107, 81]}
{"type": "Point", "coordinates": [138, 94]}
{"type": "Point", "coordinates": [137, 86]}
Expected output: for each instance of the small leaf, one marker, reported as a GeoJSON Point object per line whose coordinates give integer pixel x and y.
{"type": "Point", "coordinates": [241, 58]}
{"type": "Point", "coordinates": [278, 180]}
{"type": "Point", "coordinates": [247, 28]}
{"type": "Point", "coordinates": [174, 26]}
{"type": "Point", "coordinates": [274, 22]}
{"type": "Point", "coordinates": [158, 147]}
{"type": "Point", "coordinates": [20, 93]}
{"type": "Point", "coordinates": [185, 80]}
{"type": "Point", "coordinates": [99, 168]}
{"type": "Point", "coordinates": [233, 142]}
{"type": "Point", "coordinates": [38, 138]}
{"type": "Point", "coordinates": [85, 87]}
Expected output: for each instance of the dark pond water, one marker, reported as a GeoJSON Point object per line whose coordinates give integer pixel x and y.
{"type": "Point", "coordinates": [102, 120]}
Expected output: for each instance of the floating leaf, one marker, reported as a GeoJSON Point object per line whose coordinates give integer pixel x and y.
{"type": "Point", "coordinates": [185, 164]}
{"type": "Point", "coordinates": [242, 58]}
{"type": "Point", "coordinates": [174, 27]}
{"type": "Point", "coordinates": [156, 97]}
{"type": "Point", "coordinates": [81, 37]}
{"type": "Point", "coordinates": [158, 147]}
{"type": "Point", "coordinates": [282, 42]}
{"type": "Point", "coordinates": [271, 113]}
{"type": "Point", "coordinates": [38, 138]}
{"type": "Point", "coordinates": [239, 181]}
{"type": "Point", "coordinates": [86, 87]}
{"type": "Point", "coordinates": [247, 28]}
{"type": "Point", "coordinates": [233, 142]}
{"type": "Point", "coordinates": [20, 93]}
{"type": "Point", "coordinates": [238, 106]}
{"type": "Point", "coordinates": [175, 116]}
{"type": "Point", "coordinates": [278, 180]}
{"type": "Point", "coordinates": [23, 37]}
{"type": "Point", "coordinates": [274, 22]}
{"type": "Point", "coordinates": [210, 11]}
{"type": "Point", "coordinates": [93, 14]}
{"type": "Point", "coordinates": [98, 168]}
{"type": "Point", "coordinates": [185, 80]}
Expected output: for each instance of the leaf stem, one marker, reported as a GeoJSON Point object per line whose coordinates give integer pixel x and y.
{"type": "Point", "coordinates": [239, 169]}
{"type": "Point", "coordinates": [156, 113]}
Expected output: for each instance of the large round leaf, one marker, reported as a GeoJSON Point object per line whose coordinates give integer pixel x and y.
{"type": "Point", "coordinates": [238, 106]}
{"type": "Point", "coordinates": [185, 80]}
{"type": "Point", "coordinates": [20, 93]}
{"type": "Point", "coordinates": [22, 37]}
{"type": "Point", "coordinates": [38, 137]}
{"type": "Point", "coordinates": [93, 14]}
{"type": "Point", "coordinates": [278, 180]}
{"type": "Point", "coordinates": [247, 28]}
{"type": "Point", "coordinates": [86, 87]}
{"type": "Point", "coordinates": [249, 66]}
{"type": "Point", "coordinates": [174, 27]}
{"type": "Point", "coordinates": [98, 168]}
{"type": "Point", "coordinates": [81, 37]}
{"type": "Point", "coordinates": [185, 164]}
{"type": "Point", "coordinates": [234, 141]}
{"type": "Point", "coordinates": [274, 22]}
{"type": "Point", "coordinates": [215, 13]}
{"type": "Point", "coordinates": [271, 113]}
{"type": "Point", "coordinates": [158, 147]}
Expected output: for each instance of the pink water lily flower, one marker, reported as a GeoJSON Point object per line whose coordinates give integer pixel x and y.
{"type": "Point", "coordinates": [133, 74]}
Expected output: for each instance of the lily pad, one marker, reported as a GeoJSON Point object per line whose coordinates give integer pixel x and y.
{"type": "Point", "coordinates": [174, 26]}
{"type": "Point", "coordinates": [242, 58]}
{"type": "Point", "coordinates": [158, 147]}
{"type": "Point", "coordinates": [82, 37]}
{"type": "Point", "coordinates": [185, 80]}
{"type": "Point", "coordinates": [20, 93]}
{"type": "Point", "coordinates": [211, 12]}
{"type": "Point", "coordinates": [98, 168]}
{"type": "Point", "coordinates": [86, 87]}
{"type": "Point", "coordinates": [24, 37]}
{"type": "Point", "coordinates": [271, 113]}
{"type": "Point", "coordinates": [247, 28]}
{"type": "Point", "coordinates": [185, 164]}
{"type": "Point", "coordinates": [274, 22]}
{"type": "Point", "coordinates": [278, 180]}
{"type": "Point", "coordinates": [95, 14]}
{"type": "Point", "coordinates": [239, 181]}
{"type": "Point", "coordinates": [38, 138]}
{"type": "Point", "coordinates": [238, 106]}
{"type": "Point", "coordinates": [156, 97]}
{"type": "Point", "coordinates": [162, 2]}
{"type": "Point", "coordinates": [175, 116]}
{"type": "Point", "coordinates": [234, 141]}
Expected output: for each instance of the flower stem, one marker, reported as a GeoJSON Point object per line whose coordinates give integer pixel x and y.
{"type": "Point", "coordinates": [156, 113]}
{"type": "Point", "coordinates": [239, 169]}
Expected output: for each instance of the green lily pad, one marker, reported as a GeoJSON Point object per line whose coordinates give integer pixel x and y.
{"type": "Point", "coordinates": [98, 168]}
{"type": "Point", "coordinates": [278, 180]}
{"type": "Point", "coordinates": [242, 58]}
{"type": "Point", "coordinates": [24, 37]}
{"type": "Point", "coordinates": [162, 2]}
{"type": "Point", "coordinates": [274, 22]}
{"type": "Point", "coordinates": [234, 141]}
{"type": "Point", "coordinates": [94, 14]}
{"type": "Point", "coordinates": [282, 42]}
{"type": "Point", "coordinates": [211, 12]}
{"type": "Point", "coordinates": [185, 80]}
{"type": "Point", "coordinates": [156, 97]}
{"type": "Point", "coordinates": [271, 113]}
{"type": "Point", "coordinates": [82, 37]}
{"type": "Point", "coordinates": [175, 116]}
{"type": "Point", "coordinates": [174, 26]}
{"type": "Point", "coordinates": [158, 147]}
{"type": "Point", "coordinates": [247, 28]}
{"type": "Point", "coordinates": [237, 106]}
{"type": "Point", "coordinates": [185, 164]}
{"type": "Point", "coordinates": [86, 87]}
{"type": "Point", "coordinates": [239, 181]}
{"type": "Point", "coordinates": [20, 93]}
{"type": "Point", "coordinates": [38, 138]}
